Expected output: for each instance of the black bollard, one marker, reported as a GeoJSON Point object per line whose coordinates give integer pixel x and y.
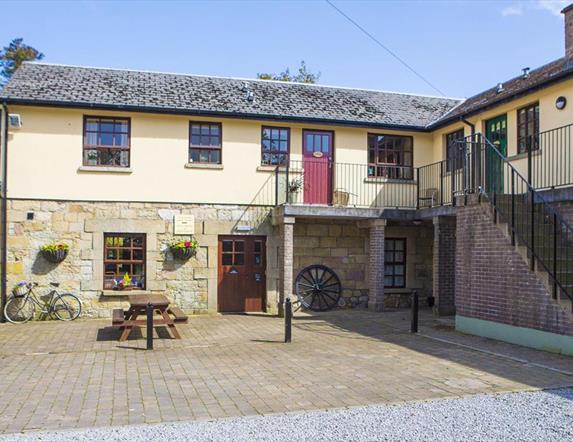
{"type": "Point", "coordinates": [149, 311]}
{"type": "Point", "coordinates": [414, 324]}
{"type": "Point", "coordinates": [288, 320]}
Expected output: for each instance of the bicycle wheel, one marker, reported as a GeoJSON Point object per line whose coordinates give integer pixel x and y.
{"type": "Point", "coordinates": [19, 309]}
{"type": "Point", "coordinates": [67, 307]}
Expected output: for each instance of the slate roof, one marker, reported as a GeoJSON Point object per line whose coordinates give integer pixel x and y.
{"type": "Point", "coordinates": [40, 83]}
{"type": "Point", "coordinates": [556, 70]}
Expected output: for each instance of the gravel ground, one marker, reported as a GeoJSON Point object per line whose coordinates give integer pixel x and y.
{"type": "Point", "coordinates": [533, 416]}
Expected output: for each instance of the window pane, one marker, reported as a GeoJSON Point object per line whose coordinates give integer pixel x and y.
{"type": "Point", "coordinates": [92, 124]}
{"type": "Point", "coordinates": [106, 139]}
{"type": "Point", "coordinates": [258, 246]}
{"type": "Point", "coordinates": [239, 246]}
{"type": "Point", "coordinates": [239, 259]}
{"type": "Point", "coordinates": [215, 129]}
{"type": "Point", "coordinates": [91, 138]}
{"type": "Point", "coordinates": [106, 126]}
{"type": "Point", "coordinates": [388, 281]}
{"type": "Point", "coordinates": [227, 259]}
{"type": "Point", "coordinates": [398, 281]}
{"type": "Point", "coordinates": [204, 129]}
{"type": "Point", "coordinates": [227, 246]}
{"type": "Point", "coordinates": [399, 245]}
{"type": "Point", "coordinates": [216, 156]}
{"type": "Point", "coordinates": [284, 134]}
{"type": "Point", "coordinates": [194, 155]}
{"type": "Point", "coordinates": [195, 140]}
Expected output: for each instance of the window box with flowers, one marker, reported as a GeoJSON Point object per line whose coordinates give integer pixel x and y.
{"type": "Point", "coordinates": [55, 252]}
{"type": "Point", "coordinates": [183, 249]}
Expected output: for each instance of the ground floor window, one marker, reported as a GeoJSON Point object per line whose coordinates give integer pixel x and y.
{"type": "Point", "coordinates": [395, 262]}
{"type": "Point", "coordinates": [124, 260]}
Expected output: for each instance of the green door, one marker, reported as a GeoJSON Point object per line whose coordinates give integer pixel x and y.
{"type": "Point", "coordinates": [496, 133]}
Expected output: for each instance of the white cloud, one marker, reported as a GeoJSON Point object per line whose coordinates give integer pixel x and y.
{"type": "Point", "coordinates": [553, 6]}
{"type": "Point", "coordinates": [512, 10]}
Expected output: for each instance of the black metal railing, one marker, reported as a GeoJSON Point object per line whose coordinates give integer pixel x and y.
{"type": "Point", "coordinates": [318, 181]}
{"type": "Point", "coordinates": [548, 164]}
{"type": "Point", "coordinates": [532, 221]}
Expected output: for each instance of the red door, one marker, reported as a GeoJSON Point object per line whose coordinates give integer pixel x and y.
{"type": "Point", "coordinates": [317, 147]}
{"type": "Point", "coordinates": [242, 281]}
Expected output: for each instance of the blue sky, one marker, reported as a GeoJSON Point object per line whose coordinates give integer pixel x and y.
{"type": "Point", "coordinates": [461, 46]}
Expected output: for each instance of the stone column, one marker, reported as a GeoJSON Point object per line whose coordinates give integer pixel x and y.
{"type": "Point", "coordinates": [286, 261]}
{"type": "Point", "coordinates": [376, 265]}
{"type": "Point", "coordinates": [444, 280]}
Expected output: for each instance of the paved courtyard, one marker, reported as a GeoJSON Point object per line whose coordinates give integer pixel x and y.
{"type": "Point", "coordinates": [70, 375]}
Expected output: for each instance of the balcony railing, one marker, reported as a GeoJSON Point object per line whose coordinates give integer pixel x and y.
{"type": "Point", "coordinates": [317, 181]}
{"type": "Point", "coordinates": [550, 164]}
{"type": "Point", "coordinates": [320, 181]}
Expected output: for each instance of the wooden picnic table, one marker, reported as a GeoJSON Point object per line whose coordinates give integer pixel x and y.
{"type": "Point", "coordinates": [168, 316]}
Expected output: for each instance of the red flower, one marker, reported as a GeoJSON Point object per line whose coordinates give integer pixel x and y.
{"type": "Point", "coordinates": [187, 244]}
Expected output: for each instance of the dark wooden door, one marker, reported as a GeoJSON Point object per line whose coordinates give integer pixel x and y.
{"type": "Point", "coordinates": [317, 147]}
{"type": "Point", "coordinates": [242, 274]}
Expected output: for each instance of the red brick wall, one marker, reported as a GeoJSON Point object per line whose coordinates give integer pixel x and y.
{"type": "Point", "coordinates": [494, 283]}
{"type": "Point", "coordinates": [444, 264]}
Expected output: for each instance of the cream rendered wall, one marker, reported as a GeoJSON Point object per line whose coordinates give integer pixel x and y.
{"type": "Point", "coordinates": [45, 158]}
{"type": "Point", "coordinates": [549, 118]}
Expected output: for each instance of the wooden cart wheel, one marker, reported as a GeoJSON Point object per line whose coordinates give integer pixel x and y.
{"type": "Point", "coordinates": [318, 288]}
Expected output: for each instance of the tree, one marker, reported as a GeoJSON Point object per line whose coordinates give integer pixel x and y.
{"type": "Point", "coordinates": [13, 55]}
{"type": "Point", "coordinates": [303, 75]}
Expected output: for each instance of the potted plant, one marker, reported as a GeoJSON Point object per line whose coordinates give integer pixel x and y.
{"type": "Point", "coordinates": [183, 249]}
{"type": "Point", "coordinates": [294, 187]}
{"type": "Point", "coordinates": [55, 252]}
{"type": "Point", "coordinates": [124, 283]}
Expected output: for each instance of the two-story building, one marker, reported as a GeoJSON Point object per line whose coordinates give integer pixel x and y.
{"type": "Point", "coordinates": [391, 191]}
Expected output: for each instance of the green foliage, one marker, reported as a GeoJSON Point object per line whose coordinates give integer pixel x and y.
{"type": "Point", "coordinates": [54, 247]}
{"type": "Point", "coordinates": [13, 55]}
{"type": "Point", "coordinates": [304, 75]}
{"type": "Point", "coordinates": [186, 244]}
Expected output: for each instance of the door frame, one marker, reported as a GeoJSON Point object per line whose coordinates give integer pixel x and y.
{"type": "Point", "coordinates": [493, 163]}
{"type": "Point", "coordinates": [332, 157]}
{"type": "Point", "coordinates": [223, 236]}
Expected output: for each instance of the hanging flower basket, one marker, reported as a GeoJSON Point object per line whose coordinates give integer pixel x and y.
{"type": "Point", "coordinates": [183, 250]}
{"type": "Point", "coordinates": [55, 253]}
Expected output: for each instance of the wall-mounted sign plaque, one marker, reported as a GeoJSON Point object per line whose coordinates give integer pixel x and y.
{"type": "Point", "coordinates": [184, 224]}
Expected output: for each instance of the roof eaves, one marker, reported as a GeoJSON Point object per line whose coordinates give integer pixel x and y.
{"type": "Point", "coordinates": [222, 114]}
{"type": "Point", "coordinates": [555, 79]}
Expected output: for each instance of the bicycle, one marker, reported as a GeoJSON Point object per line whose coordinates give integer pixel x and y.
{"type": "Point", "coordinates": [21, 306]}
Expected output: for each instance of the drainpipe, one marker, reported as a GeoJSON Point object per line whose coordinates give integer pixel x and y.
{"type": "Point", "coordinates": [4, 212]}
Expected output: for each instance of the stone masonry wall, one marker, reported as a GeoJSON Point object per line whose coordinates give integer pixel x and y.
{"type": "Point", "coordinates": [191, 284]}
{"type": "Point", "coordinates": [494, 283]}
{"type": "Point", "coordinates": [344, 247]}
{"type": "Point", "coordinates": [340, 245]}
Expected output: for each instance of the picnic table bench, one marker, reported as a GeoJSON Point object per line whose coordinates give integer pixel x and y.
{"type": "Point", "coordinates": [166, 316]}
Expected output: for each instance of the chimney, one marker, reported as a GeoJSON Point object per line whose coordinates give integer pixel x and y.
{"type": "Point", "coordinates": [568, 13]}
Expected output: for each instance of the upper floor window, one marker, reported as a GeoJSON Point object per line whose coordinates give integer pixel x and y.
{"type": "Point", "coordinates": [275, 145]}
{"type": "Point", "coordinates": [528, 128]}
{"type": "Point", "coordinates": [106, 141]}
{"type": "Point", "coordinates": [205, 143]}
{"type": "Point", "coordinates": [390, 156]}
{"type": "Point", "coordinates": [454, 151]}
